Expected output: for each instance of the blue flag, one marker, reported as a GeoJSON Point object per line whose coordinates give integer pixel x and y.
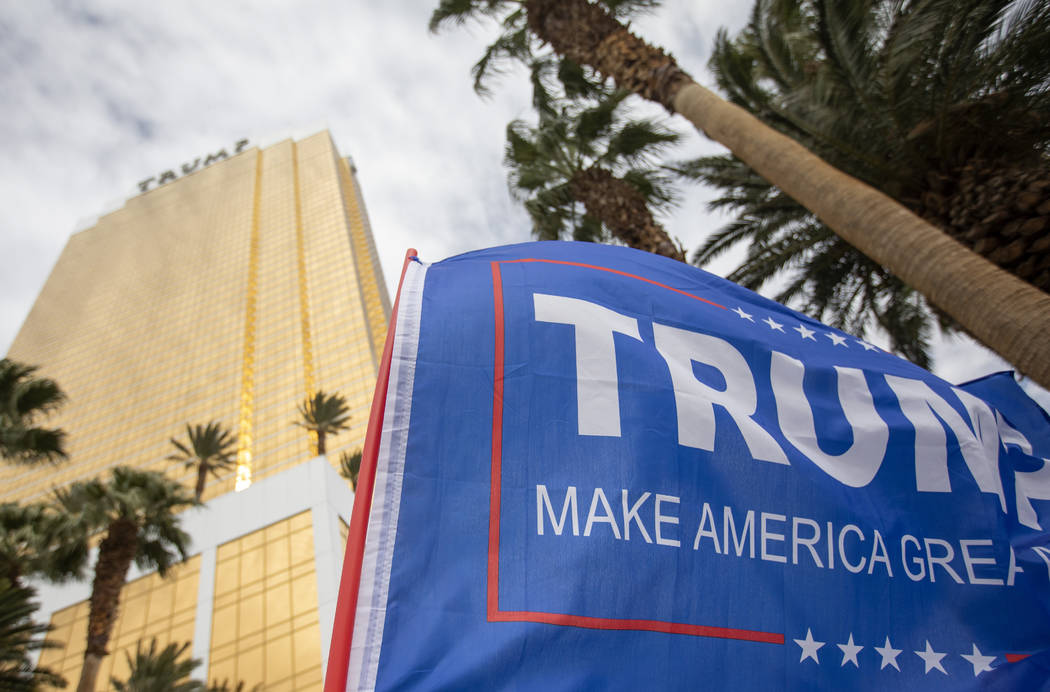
{"type": "Point", "coordinates": [596, 468]}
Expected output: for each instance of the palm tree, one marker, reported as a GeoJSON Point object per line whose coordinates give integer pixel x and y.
{"type": "Point", "coordinates": [167, 671]}
{"type": "Point", "coordinates": [159, 671]}
{"type": "Point", "coordinates": [24, 400]}
{"type": "Point", "coordinates": [350, 467]}
{"type": "Point", "coordinates": [136, 512]}
{"type": "Point", "coordinates": [210, 449]}
{"type": "Point", "coordinates": [1006, 314]}
{"type": "Point", "coordinates": [829, 279]}
{"type": "Point", "coordinates": [37, 541]}
{"type": "Point", "coordinates": [876, 105]}
{"type": "Point", "coordinates": [586, 171]}
{"type": "Point", "coordinates": [19, 637]}
{"type": "Point", "coordinates": [324, 414]}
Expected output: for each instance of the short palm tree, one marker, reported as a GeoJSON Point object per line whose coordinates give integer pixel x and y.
{"type": "Point", "coordinates": [37, 541]}
{"type": "Point", "coordinates": [19, 638]}
{"type": "Point", "coordinates": [136, 512]}
{"type": "Point", "coordinates": [350, 467]}
{"type": "Point", "coordinates": [24, 400]}
{"type": "Point", "coordinates": [209, 449]}
{"type": "Point", "coordinates": [324, 414]}
{"type": "Point", "coordinates": [586, 171]}
{"type": "Point", "coordinates": [166, 670]}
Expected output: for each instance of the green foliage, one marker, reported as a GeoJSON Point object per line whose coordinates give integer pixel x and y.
{"type": "Point", "coordinates": [159, 671]}
{"type": "Point", "coordinates": [210, 449]}
{"type": "Point", "coordinates": [350, 466]}
{"type": "Point", "coordinates": [167, 670]}
{"type": "Point", "coordinates": [324, 411]}
{"type": "Point", "coordinates": [24, 400]}
{"type": "Point", "coordinates": [826, 277]}
{"type": "Point", "coordinates": [19, 637]}
{"type": "Point", "coordinates": [35, 540]}
{"type": "Point", "coordinates": [580, 125]}
{"type": "Point", "coordinates": [891, 93]}
{"type": "Point", "coordinates": [515, 44]}
{"type": "Point", "coordinates": [324, 414]}
{"type": "Point", "coordinates": [572, 136]}
{"type": "Point", "coordinates": [147, 499]}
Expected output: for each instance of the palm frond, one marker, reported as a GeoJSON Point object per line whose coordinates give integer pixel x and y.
{"type": "Point", "coordinates": [459, 12]}
{"type": "Point", "coordinates": [152, 670]}
{"type": "Point", "coordinates": [895, 93]}
{"type": "Point", "coordinates": [638, 140]}
{"type": "Point", "coordinates": [25, 399]}
{"type": "Point", "coordinates": [20, 637]}
{"type": "Point", "coordinates": [322, 411]}
{"type": "Point", "coordinates": [594, 122]}
{"type": "Point", "coordinates": [350, 466]}
{"type": "Point", "coordinates": [509, 47]}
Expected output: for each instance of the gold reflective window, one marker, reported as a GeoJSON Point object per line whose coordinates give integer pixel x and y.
{"type": "Point", "coordinates": [266, 630]}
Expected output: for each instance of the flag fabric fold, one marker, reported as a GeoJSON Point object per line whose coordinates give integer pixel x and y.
{"type": "Point", "coordinates": [597, 468]}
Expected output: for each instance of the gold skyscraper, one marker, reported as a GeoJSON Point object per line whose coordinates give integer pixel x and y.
{"type": "Point", "coordinates": [230, 292]}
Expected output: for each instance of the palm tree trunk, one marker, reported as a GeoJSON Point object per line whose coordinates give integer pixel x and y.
{"type": "Point", "coordinates": [13, 572]}
{"type": "Point", "coordinates": [619, 205]}
{"type": "Point", "coordinates": [111, 570]}
{"type": "Point", "coordinates": [202, 477]}
{"type": "Point", "coordinates": [1008, 315]}
{"type": "Point", "coordinates": [89, 673]}
{"type": "Point", "coordinates": [320, 443]}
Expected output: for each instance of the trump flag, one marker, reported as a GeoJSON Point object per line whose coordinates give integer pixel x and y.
{"type": "Point", "coordinates": [589, 467]}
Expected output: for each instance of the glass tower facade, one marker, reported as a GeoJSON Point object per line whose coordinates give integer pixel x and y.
{"type": "Point", "coordinates": [229, 294]}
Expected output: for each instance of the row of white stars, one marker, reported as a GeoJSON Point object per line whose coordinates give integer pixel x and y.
{"type": "Point", "coordinates": [805, 333]}
{"type": "Point", "coordinates": [931, 659]}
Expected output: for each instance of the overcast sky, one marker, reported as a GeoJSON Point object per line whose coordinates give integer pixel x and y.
{"type": "Point", "coordinates": [99, 95]}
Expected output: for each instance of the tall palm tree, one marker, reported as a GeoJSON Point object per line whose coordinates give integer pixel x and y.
{"type": "Point", "coordinates": [587, 171]}
{"type": "Point", "coordinates": [324, 414]}
{"type": "Point", "coordinates": [24, 400]}
{"type": "Point", "coordinates": [165, 670]}
{"type": "Point", "coordinates": [136, 512]}
{"type": "Point", "coordinates": [856, 85]}
{"type": "Point", "coordinates": [209, 449]}
{"type": "Point", "coordinates": [19, 637]}
{"type": "Point", "coordinates": [1005, 313]}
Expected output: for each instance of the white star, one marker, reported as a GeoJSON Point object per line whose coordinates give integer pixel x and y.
{"type": "Point", "coordinates": [775, 326]}
{"type": "Point", "coordinates": [867, 346]}
{"type": "Point", "coordinates": [889, 655]}
{"type": "Point", "coordinates": [809, 647]}
{"type": "Point", "coordinates": [743, 315]}
{"type": "Point", "coordinates": [850, 651]}
{"type": "Point", "coordinates": [979, 662]}
{"type": "Point", "coordinates": [931, 658]}
{"type": "Point", "coordinates": [805, 333]}
{"type": "Point", "coordinates": [837, 340]}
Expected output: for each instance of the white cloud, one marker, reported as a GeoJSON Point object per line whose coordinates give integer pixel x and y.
{"type": "Point", "coordinates": [98, 98]}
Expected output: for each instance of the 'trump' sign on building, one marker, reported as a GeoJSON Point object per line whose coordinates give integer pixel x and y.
{"type": "Point", "coordinates": [594, 468]}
